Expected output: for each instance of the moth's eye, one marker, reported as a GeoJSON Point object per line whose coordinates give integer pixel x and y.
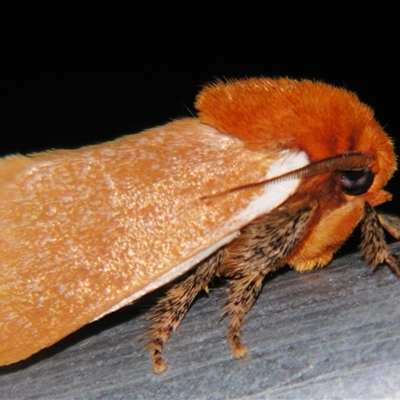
{"type": "Point", "coordinates": [355, 183]}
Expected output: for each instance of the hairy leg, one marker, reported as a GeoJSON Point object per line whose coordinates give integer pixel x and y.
{"type": "Point", "coordinates": [373, 244]}
{"type": "Point", "coordinates": [262, 248]}
{"type": "Point", "coordinates": [169, 311]}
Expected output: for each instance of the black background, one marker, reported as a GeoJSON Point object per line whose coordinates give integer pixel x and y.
{"type": "Point", "coordinates": [75, 73]}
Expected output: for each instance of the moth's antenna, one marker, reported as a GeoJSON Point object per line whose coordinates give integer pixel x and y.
{"type": "Point", "coordinates": [339, 163]}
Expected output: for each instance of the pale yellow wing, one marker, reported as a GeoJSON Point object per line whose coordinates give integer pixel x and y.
{"type": "Point", "coordinates": [83, 232]}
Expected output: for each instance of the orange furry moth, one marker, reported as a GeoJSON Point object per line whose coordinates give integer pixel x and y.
{"type": "Point", "coordinates": [273, 172]}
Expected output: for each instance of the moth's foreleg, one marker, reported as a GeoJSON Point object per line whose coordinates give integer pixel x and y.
{"type": "Point", "coordinates": [168, 313]}
{"type": "Point", "coordinates": [261, 248]}
{"type": "Point", "coordinates": [373, 244]}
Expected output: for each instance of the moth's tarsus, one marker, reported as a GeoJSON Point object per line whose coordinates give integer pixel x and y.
{"type": "Point", "coordinates": [393, 261]}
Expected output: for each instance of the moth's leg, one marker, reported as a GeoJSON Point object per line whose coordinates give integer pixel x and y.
{"type": "Point", "coordinates": [243, 292]}
{"type": "Point", "coordinates": [261, 248]}
{"type": "Point", "coordinates": [373, 244]}
{"type": "Point", "coordinates": [169, 311]}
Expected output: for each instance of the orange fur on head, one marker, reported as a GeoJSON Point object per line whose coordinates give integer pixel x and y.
{"type": "Point", "coordinates": [276, 114]}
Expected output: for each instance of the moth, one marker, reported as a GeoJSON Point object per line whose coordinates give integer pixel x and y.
{"type": "Point", "coordinates": [273, 172]}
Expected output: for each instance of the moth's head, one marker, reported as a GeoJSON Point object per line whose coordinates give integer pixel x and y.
{"type": "Point", "coordinates": [322, 120]}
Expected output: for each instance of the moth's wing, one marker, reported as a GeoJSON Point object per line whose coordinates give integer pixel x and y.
{"type": "Point", "coordinates": [84, 232]}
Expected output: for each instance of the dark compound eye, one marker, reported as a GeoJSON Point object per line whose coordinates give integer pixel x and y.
{"type": "Point", "coordinates": [355, 183]}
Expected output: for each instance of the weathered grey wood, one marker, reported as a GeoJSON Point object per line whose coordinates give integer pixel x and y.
{"type": "Point", "coordinates": [332, 333]}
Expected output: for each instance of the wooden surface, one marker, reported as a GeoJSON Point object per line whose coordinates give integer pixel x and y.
{"type": "Point", "coordinates": [332, 333]}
